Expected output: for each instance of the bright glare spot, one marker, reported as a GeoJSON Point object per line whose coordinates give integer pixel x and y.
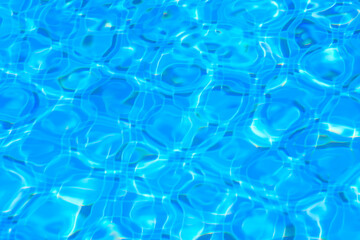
{"type": "Point", "coordinates": [332, 54]}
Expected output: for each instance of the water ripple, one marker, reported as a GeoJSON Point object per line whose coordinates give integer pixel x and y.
{"type": "Point", "coordinates": [179, 119]}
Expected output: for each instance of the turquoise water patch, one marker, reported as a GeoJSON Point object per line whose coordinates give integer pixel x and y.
{"type": "Point", "coordinates": [181, 119]}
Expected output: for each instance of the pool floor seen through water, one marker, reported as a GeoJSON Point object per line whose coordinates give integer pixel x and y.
{"type": "Point", "coordinates": [204, 120]}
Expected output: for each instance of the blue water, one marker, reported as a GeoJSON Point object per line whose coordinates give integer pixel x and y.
{"type": "Point", "coordinates": [206, 119]}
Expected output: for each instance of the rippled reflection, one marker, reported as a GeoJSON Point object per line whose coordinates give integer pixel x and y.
{"type": "Point", "coordinates": [196, 119]}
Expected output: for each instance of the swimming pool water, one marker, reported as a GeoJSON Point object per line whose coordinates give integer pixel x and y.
{"type": "Point", "coordinates": [206, 119]}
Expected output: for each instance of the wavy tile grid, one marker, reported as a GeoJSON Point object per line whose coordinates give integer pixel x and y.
{"type": "Point", "coordinates": [206, 119]}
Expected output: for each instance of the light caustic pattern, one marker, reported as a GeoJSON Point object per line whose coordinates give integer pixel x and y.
{"type": "Point", "coordinates": [185, 119]}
